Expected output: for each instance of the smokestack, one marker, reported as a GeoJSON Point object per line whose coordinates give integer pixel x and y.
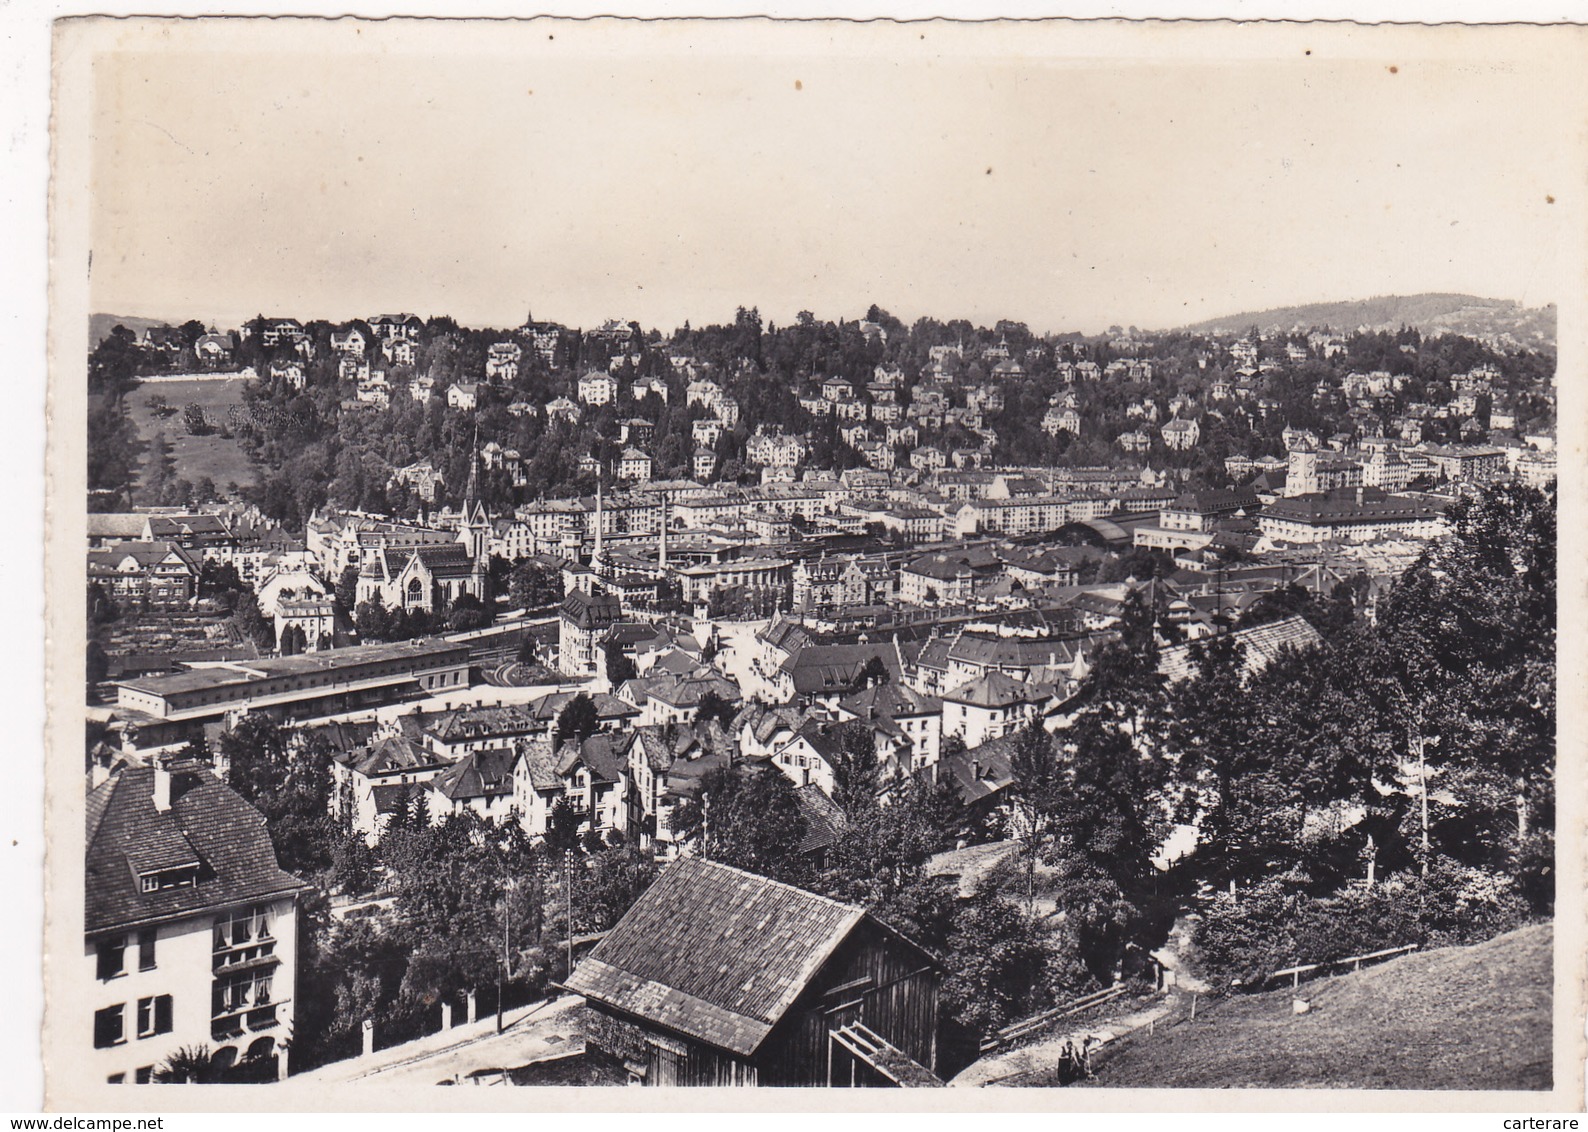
{"type": "Point", "coordinates": [661, 541]}
{"type": "Point", "coordinates": [162, 788]}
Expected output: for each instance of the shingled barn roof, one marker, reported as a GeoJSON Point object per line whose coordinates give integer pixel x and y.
{"type": "Point", "coordinates": [714, 953]}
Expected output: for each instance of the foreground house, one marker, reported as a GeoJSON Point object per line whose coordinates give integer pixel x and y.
{"type": "Point", "coordinates": [721, 977]}
{"type": "Point", "coordinates": [190, 928]}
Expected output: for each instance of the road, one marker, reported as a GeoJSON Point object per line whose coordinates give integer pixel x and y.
{"type": "Point", "coordinates": [531, 1031]}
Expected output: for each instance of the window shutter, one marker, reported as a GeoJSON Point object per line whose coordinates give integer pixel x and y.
{"type": "Point", "coordinates": [162, 1014]}
{"type": "Point", "coordinates": [108, 1025]}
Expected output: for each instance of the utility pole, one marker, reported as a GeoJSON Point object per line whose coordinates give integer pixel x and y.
{"type": "Point", "coordinates": [705, 825]}
{"type": "Point", "coordinates": [567, 888]}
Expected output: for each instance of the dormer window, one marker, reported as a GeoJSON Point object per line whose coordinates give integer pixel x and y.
{"type": "Point", "coordinates": [164, 879]}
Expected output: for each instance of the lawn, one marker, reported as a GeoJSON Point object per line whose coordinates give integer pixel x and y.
{"type": "Point", "coordinates": [1455, 1018]}
{"type": "Point", "coordinates": [220, 458]}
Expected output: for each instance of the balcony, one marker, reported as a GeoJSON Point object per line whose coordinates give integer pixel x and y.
{"type": "Point", "coordinates": [246, 1019]}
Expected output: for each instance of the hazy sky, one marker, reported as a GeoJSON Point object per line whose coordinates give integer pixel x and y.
{"type": "Point", "coordinates": [321, 172]}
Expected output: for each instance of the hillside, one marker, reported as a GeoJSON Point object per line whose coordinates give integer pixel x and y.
{"type": "Point", "coordinates": [100, 325]}
{"type": "Point", "coordinates": [1430, 313]}
{"type": "Point", "coordinates": [1455, 1018]}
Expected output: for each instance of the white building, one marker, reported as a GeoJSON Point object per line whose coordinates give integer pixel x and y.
{"type": "Point", "coordinates": [190, 936]}
{"type": "Point", "coordinates": [596, 388]}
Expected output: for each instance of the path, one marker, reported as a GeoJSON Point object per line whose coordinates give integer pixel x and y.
{"type": "Point", "coordinates": [1046, 1054]}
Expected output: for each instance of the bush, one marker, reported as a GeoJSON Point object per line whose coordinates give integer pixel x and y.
{"type": "Point", "coordinates": [1269, 926]}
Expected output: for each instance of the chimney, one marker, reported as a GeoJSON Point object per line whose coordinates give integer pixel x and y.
{"type": "Point", "coordinates": [162, 788]}
{"type": "Point", "coordinates": [975, 769]}
{"type": "Point", "coordinates": [1359, 495]}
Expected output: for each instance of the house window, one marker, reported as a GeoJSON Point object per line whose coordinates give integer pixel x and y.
{"type": "Point", "coordinates": [154, 1016]}
{"type": "Point", "coordinates": [109, 1026]}
{"type": "Point", "coordinates": [146, 940]}
{"type": "Point", "coordinates": [112, 957]}
{"type": "Point", "coordinates": [144, 1074]}
{"type": "Point", "coordinates": [116, 1079]}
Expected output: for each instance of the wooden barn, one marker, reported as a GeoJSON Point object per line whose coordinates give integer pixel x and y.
{"type": "Point", "coordinates": [720, 977]}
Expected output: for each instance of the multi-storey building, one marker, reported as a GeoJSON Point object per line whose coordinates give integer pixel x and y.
{"type": "Point", "coordinates": [190, 929]}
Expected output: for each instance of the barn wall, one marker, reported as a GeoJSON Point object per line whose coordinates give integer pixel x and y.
{"type": "Point", "coordinates": [669, 1058]}
{"type": "Point", "coordinates": [898, 1003]}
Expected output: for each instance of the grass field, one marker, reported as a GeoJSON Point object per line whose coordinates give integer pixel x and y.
{"type": "Point", "coordinates": [221, 459]}
{"type": "Point", "coordinates": [1455, 1018]}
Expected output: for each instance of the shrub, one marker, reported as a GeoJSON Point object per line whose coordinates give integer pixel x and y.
{"type": "Point", "coordinates": [1245, 936]}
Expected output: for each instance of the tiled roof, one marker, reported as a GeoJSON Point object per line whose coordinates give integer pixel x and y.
{"type": "Point", "coordinates": [464, 724]}
{"type": "Point", "coordinates": [978, 773]}
{"type": "Point", "coordinates": [598, 753]}
{"type": "Point", "coordinates": [715, 953]}
{"type": "Point", "coordinates": [535, 756]}
{"type": "Point", "coordinates": [996, 690]}
{"type": "Point", "coordinates": [889, 701]}
{"type": "Point", "coordinates": [208, 823]}
{"type": "Point", "coordinates": [394, 754]}
{"type": "Point", "coordinates": [479, 774]}
{"type": "Point", "coordinates": [591, 611]}
{"type": "Point", "coordinates": [1016, 652]}
{"type": "Point", "coordinates": [835, 668]}
{"type": "Point", "coordinates": [824, 818]}
{"type": "Point", "coordinates": [1262, 646]}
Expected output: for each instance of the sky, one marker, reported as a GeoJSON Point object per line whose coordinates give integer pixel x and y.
{"type": "Point", "coordinates": [1068, 181]}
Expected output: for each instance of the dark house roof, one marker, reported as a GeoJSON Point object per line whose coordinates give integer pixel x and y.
{"type": "Point", "coordinates": [591, 611]}
{"type": "Point", "coordinates": [479, 774]}
{"type": "Point", "coordinates": [716, 954]}
{"type": "Point", "coordinates": [824, 818]}
{"type": "Point", "coordinates": [979, 773]}
{"type": "Point", "coordinates": [208, 826]}
{"type": "Point", "coordinates": [819, 669]}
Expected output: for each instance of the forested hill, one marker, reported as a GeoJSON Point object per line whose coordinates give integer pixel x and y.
{"type": "Point", "coordinates": [1532, 327]}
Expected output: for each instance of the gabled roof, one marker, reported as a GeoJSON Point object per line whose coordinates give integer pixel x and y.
{"type": "Point", "coordinates": [654, 750]}
{"type": "Point", "coordinates": [714, 953]}
{"type": "Point", "coordinates": [144, 555]}
{"type": "Point", "coordinates": [444, 560]}
{"type": "Point", "coordinates": [535, 756]}
{"type": "Point", "coordinates": [208, 825]}
{"type": "Point", "coordinates": [599, 754]}
{"type": "Point", "coordinates": [1015, 652]}
{"type": "Point", "coordinates": [479, 774]}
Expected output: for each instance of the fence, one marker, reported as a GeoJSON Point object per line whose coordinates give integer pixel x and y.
{"type": "Point", "coordinates": [1356, 962]}
{"type": "Point", "coordinates": [1037, 1022]}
